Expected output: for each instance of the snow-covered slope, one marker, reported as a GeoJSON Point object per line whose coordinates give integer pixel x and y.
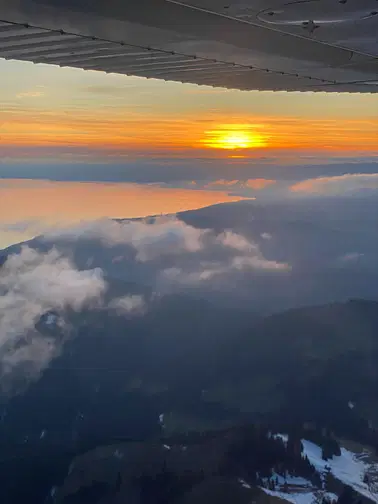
{"type": "Point", "coordinates": [349, 468]}
{"type": "Point", "coordinates": [300, 497]}
{"type": "Point", "coordinates": [355, 470]}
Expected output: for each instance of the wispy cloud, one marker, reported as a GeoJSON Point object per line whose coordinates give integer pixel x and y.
{"type": "Point", "coordinates": [259, 183]}
{"type": "Point", "coordinates": [338, 184]}
{"type": "Point", "coordinates": [165, 236]}
{"type": "Point", "coordinates": [128, 305]}
{"type": "Point", "coordinates": [30, 94]}
{"type": "Point", "coordinates": [171, 239]}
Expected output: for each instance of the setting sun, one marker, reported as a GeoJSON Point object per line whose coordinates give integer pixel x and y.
{"type": "Point", "coordinates": [233, 137]}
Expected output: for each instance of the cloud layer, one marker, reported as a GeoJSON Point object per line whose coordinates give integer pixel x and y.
{"type": "Point", "coordinates": [172, 255]}
{"type": "Point", "coordinates": [163, 236]}
{"type": "Point", "coordinates": [41, 286]}
{"type": "Point", "coordinates": [337, 185]}
{"type": "Point", "coordinates": [184, 253]}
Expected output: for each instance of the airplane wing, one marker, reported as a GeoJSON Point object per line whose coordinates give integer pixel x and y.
{"type": "Point", "coordinates": [297, 45]}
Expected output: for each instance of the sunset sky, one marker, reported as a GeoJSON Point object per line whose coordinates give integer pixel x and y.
{"type": "Point", "coordinates": [197, 145]}
{"type": "Point", "coordinates": [82, 112]}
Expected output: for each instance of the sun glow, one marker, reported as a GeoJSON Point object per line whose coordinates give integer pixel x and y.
{"type": "Point", "coordinates": [233, 138]}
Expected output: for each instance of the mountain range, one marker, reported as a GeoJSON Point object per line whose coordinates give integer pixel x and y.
{"type": "Point", "coordinates": [238, 343]}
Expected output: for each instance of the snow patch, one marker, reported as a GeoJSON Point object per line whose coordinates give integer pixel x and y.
{"type": "Point", "coordinates": [291, 480]}
{"type": "Point", "coordinates": [244, 484]}
{"type": "Point", "coordinates": [295, 498]}
{"type": "Point", "coordinates": [299, 498]}
{"type": "Point", "coordinates": [284, 437]}
{"type": "Point", "coordinates": [348, 468]}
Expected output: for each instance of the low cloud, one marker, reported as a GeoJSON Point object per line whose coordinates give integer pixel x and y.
{"type": "Point", "coordinates": [32, 284]}
{"type": "Point", "coordinates": [236, 241]}
{"type": "Point", "coordinates": [208, 272]}
{"type": "Point", "coordinates": [257, 262]}
{"type": "Point", "coordinates": [337, 185]}
{"type": "Point", "coordinates": [128, 305]}
{"type": "Point", "coordinates": [179, 276]}
{"type": "Point", "coordinates": [37, 288]}
{"type": "Point", "coordinates": [164, 236]}
{"type": "Point", "coordinates": [181, 252]}
{"type": "Point", "coordinates": [266, 236]}
{"type": "Point", "coordinates": [248, 257]}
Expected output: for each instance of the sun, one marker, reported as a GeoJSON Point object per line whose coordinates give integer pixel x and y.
{"type": "Point", "coordinates": [233, 138]}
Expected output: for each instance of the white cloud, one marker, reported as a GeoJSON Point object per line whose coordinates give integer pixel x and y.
{"type": "Point", "coordinates": [251, 259]}
{"type": "Point", "coordinates": [258, 262]}
{"type": "Point", "coordinates": [165, 236]}
{"type": "Point", "coordinates": [128, 305]}
{"type": "Point", "coordinates": [31, 284]}
{"type": "Point", "coordinates": [171, 237]}
{"type": "Point", "coordinates": [182, 277]}
{"type": "Point", "coordinates": [236, 241]}
{"type": "Point", "coordinates": [266, 236]}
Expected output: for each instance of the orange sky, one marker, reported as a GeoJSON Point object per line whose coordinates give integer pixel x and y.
{"type": "Point", "coordinates": [49, 106]}
{"type": "Point", "coordinates": [100, 129]}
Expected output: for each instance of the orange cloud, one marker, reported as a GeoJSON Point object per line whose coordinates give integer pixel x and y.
{"type": "Point", "coordinates": [259, 183]}
{"type": "Point", "coordinates": [222, 182]}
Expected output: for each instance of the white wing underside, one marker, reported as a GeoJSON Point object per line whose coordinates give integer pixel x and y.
{"type": "Point", "coordinates": [298, 45]}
